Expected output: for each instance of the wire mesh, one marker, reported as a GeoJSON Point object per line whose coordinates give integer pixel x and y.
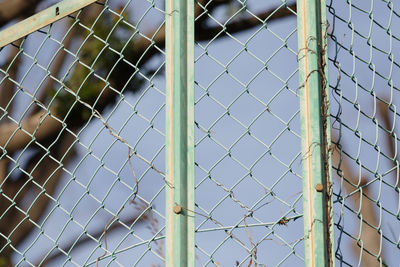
{"type": "Point", "coordinates": [247, 155]}
{"type": "Point", "coordinates": [364, 80]}
{"type": "Point", "coordinates": [82, 135]}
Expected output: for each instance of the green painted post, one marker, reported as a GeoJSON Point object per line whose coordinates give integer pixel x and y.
{"type": "Point", "coordinates": [180, 133]}
{"type": "Point", "coordinates": [315, 133]}
{"type": "Point", "coordinates": [41, 19]}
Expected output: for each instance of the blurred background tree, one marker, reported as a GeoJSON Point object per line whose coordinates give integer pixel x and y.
{"type": "Point", "coordinates": [62, 106]}
{"type": "Point", "coordinates": [40, 139]}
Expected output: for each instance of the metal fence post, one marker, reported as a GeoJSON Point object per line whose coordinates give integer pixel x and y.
{"type": "Point", "coordinates": [315, 133]}
{"type": "Point", "coordinates": [180, 133]}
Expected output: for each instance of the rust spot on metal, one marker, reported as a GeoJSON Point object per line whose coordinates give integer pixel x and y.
{"type": "Point", "coordinates": [319, 187]}
{"type": "Point", "coordinates": [178, 209]}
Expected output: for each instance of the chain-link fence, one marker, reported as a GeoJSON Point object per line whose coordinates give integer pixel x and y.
{"type": "Point", "coordinates": [246, 111]}
{"type": "Point", "coordinates": [83, 138]}
{"type": "Point", "coordinates": [364, 81]}
{"type": "Point", "coordinates": [83, 132]}
{"type": "Point", "coordinates": [245, 207]}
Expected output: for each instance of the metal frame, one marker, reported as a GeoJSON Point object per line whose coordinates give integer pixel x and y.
{"type": "Point", "coordinates": [315, 133]}
{"type": "Point", "coordinates": [180, 133]}
{"type": "Point", "coordinates": [315, 125]}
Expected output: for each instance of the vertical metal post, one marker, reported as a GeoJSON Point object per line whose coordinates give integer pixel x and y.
{"type": "Point", "coordinates": [180, 133]}
{"type": "Point", "coordinates": [315, 133]}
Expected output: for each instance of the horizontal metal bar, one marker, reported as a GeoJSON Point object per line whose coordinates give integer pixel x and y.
{"type": "Point", "coordinates": [41, 19]}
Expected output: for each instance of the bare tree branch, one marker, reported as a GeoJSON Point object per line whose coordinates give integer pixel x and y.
{"type": "Point", "coordinates": [88, 14]}
{"type": "Point", "coordinates": [7, 88]}
{"type": "Point", "coordinates": [7, 91]}
{"type": "Point", "coordinates": [358, 192]}
{"type": "Point", "coordinates": [16, 222]}
{"type": "Point", "coordinates": [12, 9]}
{"type": "Point", "coordinates": [207, 33]}
{"type": "Point", "coordinates": [384, 112]}
{"type": "Point", "coordinates": [41, 127]}
{"type": "Point", "coordinates": [204, 7]}
{"type": "Point", "coordinates": [146, 49]}
{"type": "Point", "coordinates": [38, 127]}
{"type": "Point", "coordinates": [49, 177]}
{"type": "Point", "coordinates": [57, 64]}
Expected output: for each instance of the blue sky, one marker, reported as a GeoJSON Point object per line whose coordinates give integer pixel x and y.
{"type": "Point", "coordinates": [247, 141]}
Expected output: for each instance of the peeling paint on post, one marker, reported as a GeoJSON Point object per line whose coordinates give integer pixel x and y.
{"type": "Point", "coordinates": [315, 133]}
{"type": "Point", "coordinates": [180, 133]}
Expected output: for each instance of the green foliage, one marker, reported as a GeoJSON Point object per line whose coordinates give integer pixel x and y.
{"type": "Point", "coordinates": [4, 261]}
{"type": "Point", "coordinates": [99, 66]}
